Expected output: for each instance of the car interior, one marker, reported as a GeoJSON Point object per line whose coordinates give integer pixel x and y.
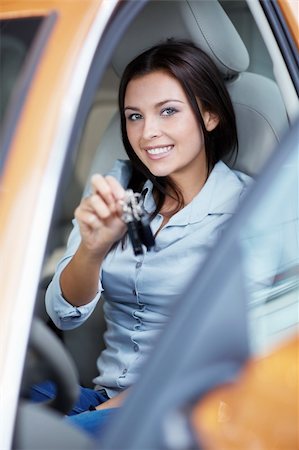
{"type": "Point", "coordinates": [261, 115]}
{"type": "Point", "coordinates": [228, 32]}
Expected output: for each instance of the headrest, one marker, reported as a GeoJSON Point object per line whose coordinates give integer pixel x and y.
{"type": "Point", "coordinates": [202, 21]}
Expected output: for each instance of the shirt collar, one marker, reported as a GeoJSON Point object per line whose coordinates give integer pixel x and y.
{"type": "Point", "coordinates": [219, 195]}
{"type": "Point", "coordinates": [148, 198]}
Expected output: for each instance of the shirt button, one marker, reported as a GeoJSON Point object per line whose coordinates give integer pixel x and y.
{"type": "Point", "coordinates": [138, 265]}
{"type": "Point", "coordinates": [125, 371]}
{"type": "Point", "coordinates": [134, 292]}
{"type": "Point", "coordinates": [136, 348]}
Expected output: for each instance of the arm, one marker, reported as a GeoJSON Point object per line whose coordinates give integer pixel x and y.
{"type": "Point", "coordinates": [99, 220]}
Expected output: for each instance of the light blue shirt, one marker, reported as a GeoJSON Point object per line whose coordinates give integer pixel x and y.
{"type": "Point", "coordinates": [140, 291]}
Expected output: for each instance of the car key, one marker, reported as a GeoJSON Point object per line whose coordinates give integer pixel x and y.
{"type": "Point", "coordinates": [138, 222]}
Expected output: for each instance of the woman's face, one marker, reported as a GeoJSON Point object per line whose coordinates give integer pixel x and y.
{"type": "Point", "coordinates": [162, 128]}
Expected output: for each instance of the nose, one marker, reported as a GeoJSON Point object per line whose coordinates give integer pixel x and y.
{"type": "Point", "coordinates": [151, 127]}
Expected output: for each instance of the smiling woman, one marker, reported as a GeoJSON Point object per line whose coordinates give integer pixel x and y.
{"type": "Point", "coordinates": [177, 120]}
{"type": "Point", "coordinates": [60, 132]}
{"type": "Point", "coordinates": [189, 193]}
{"type": "Point", "coordinates": [165, 134]}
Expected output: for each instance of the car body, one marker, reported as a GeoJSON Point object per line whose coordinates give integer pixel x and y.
{"type": "Point", "coordinates": [66, 50]}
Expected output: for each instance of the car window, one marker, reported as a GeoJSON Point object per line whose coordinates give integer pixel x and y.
{"type": "Point", "coordinates": [16, 39]}
{"type": "Point", "coordinates": [22, 43]}
{"type": "Point", "coordinates": [254, 269]}
{"type": "Point", "coordinates": [270, 245]}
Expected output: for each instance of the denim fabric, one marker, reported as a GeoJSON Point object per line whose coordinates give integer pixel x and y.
{"type": "Point", "coordinates": [93, 422]}
{"type": "Point", "coordinates": [82, 415]}
{"type": "Point", "coordinates": [88, 398]}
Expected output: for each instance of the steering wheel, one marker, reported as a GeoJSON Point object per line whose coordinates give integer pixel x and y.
{"type": "Point", "coordinates": [47, 359]}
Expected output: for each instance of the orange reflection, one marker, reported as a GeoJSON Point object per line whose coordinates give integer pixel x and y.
{"type": "Point", "coordinates": [259, 411]}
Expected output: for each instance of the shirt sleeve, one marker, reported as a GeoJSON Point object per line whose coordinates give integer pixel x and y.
{"type": "Point", "coordinates": [64, 315]}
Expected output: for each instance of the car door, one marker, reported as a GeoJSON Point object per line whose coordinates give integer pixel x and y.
{"type": "Point", "coordinates": [51, 69]}
{"type": "Point", "coordinates": [242, 304]}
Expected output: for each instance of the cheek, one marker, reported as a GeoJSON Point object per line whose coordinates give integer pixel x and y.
{"type": "Point", "coordinates": [131, 138]}
{"type": "Point", "coordinates": [189, 132]}
{"type": "Point", "coordinates": [132, 133]}
{"type": "Point", "coordinates": [195, 132]}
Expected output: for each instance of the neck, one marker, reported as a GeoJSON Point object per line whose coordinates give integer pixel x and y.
{"type": "Point", "coordinates": [190, 182]}
{"type": "Point", "coordinates": [189, 188]}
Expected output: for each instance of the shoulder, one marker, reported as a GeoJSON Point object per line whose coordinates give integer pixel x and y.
{"type": "Point", "coordinates": [233, 179]}
{"type": "Point", "coordinates": [229, 187]}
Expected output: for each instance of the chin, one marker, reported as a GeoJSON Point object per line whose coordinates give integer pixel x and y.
{"type": "Point", "coordinates": [160, 173]}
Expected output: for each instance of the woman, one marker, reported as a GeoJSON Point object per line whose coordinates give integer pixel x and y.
{"type": "Point", "coordinates": [177, 125]}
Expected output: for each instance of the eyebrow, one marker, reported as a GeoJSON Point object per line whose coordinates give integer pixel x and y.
{"type": "Point", "coordinates": [159, 104]}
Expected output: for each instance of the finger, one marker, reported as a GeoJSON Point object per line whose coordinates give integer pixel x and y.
{"type": "Point", "coordinates": [119, 194]}
{"type": "Point", "coordinates": [100, 208]}
{"type": "Point", "coordinates": [92, 221]}
{"type": "Point", "coordinates": [101, 187]}
{"type": "Point", "coordinates": [86, 218]}
{"type": "Point", "coordinates": [92, 211]}
{"type": "Point", "coordinates": [116, 188]}
{"type": "Point", "coordinates": [91, 204]}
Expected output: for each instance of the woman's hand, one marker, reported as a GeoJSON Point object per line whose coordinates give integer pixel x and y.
{"type": "Point", "coordinates": [99, 219]}
{"type": "Point", "coordinates": [99, 215]}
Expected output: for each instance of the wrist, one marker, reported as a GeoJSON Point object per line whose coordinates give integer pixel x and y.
{"type": "Point", "coordinates": [93, 255]}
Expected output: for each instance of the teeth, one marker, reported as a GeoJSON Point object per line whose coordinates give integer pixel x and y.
{"type": "Point", "coordinates": [158, 150]}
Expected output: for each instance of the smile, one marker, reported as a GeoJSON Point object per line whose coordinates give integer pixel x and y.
{"type": "Point", "coordinates": [159, 150]}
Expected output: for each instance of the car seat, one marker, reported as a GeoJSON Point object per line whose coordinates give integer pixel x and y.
{"type": "Point", "coordinates": [260, 111]}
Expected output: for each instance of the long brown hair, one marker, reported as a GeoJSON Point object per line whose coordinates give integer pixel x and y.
{"type": "Point", "coordinates": [201, 82]}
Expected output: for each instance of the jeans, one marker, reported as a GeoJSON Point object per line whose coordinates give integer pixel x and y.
{"type": "Point", "coordinates": [83, 413]}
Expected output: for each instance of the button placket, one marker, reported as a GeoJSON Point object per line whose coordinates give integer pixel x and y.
{"type": "Point", "coordinates": [123, 373]}
{"type": "Point", "coordinates": [135, 314]}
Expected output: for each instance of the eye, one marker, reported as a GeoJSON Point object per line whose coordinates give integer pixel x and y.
{"type": "Point", "coordinates": [168, 111]}
{"type": "Point", "coordinates": [135, 116]}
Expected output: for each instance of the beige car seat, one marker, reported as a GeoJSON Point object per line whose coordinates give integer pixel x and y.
{"type": "Point", "coordinates": [260, 112]}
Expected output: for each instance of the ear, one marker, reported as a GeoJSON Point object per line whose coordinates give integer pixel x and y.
{"type": "Point", "coordinates": [211, 120]}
